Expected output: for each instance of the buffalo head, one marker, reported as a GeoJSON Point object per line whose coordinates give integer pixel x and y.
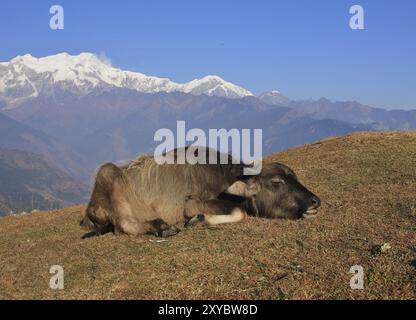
{"type": "Point", "coordinates": [277, 193]}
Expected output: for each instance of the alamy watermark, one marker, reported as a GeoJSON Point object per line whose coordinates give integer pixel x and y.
{"type": "Point", "coordinates": [217, 140]}
{"type": "Point", "coordinates": [56, 282]}
{"type": "Point", "coordinates": [357, 20]}
{"type": "Point", "coordinates": [357, 280]}
{"type": "Point", "coordinates": [56, 22]}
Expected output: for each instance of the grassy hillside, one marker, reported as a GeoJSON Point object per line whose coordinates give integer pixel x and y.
{"type": "Point", "coordinates": [367, 183]}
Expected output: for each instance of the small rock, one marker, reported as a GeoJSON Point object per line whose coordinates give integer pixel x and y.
{"type": "Point", "coordinates": [379, 249]}
{"type": "Point", "coordinates": [385, 247]}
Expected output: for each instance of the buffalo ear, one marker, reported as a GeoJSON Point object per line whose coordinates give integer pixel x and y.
{"type": "Point", "coordinates": [244, 189]}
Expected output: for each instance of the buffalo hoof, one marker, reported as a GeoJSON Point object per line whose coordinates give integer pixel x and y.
{"type": "Point", "coordinates": [192, 222]}
{"type": "Point", "coordinates": [169, 232]}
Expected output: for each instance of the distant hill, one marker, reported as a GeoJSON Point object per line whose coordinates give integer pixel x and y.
{"type": "Point", "coordinates": [356, 113]}
{"type": "Point", "coordinates": [29, 181]}
{"type": "Point", "coordinates": [15, 135]}
{"type": "Point", "coordinates": [119, 124]}
{"type": "Point", "coordinates": [367, 184]}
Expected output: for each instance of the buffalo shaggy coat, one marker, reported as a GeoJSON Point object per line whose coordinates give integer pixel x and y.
{"type": "Point", "coordinates": [147, 197]}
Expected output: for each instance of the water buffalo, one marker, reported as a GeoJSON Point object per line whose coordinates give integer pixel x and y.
{"type": "Point", "coordinates": [146, 197]}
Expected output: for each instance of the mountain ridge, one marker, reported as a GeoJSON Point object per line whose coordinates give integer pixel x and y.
{"type": "Point", "coordinates": [26, 77]}
{"type": "Point", "coordinates": [84, 112]}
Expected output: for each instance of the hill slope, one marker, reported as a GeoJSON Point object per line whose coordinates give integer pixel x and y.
{"type": "Point", "coordinates": [367, 183]}
{"type": "Point", "coordinates": [28, 181]}
{"type": "Point", "coordinates": [16, 135]}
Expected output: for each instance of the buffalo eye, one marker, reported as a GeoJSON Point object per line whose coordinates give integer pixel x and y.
{"type": "Point", "coordinates": [277, 181]}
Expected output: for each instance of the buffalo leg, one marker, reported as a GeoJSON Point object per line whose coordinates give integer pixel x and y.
{"type": "Point", "coordinates": [211, 212]}
{"type": "Point", "coordinates": [97, 217]}
{"type": "Point", "coordinates": [98, 231]}
{"type": "Point", "coordinates": [126, 221]}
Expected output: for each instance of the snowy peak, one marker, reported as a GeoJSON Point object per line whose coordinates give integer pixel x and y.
{"type": "Point", "coordinates": [215, 86]}
{"type": "Point", "coordinates": [274, 97]}
{"type": "Point", "coordinates": [25, 77]}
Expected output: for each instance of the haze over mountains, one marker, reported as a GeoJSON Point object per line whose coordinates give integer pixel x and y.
{"type": "Point", "coordinates": [29, 181]}
{"type": "Point", "coordinates": [16, 135]}
{"type": "Point", "coordinates": [79, 111]}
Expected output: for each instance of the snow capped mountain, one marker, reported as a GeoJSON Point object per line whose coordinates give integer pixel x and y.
{"type": "Point", "coordinates": [274, 97]}
{"type": "Point", "coordinates": [26, 77]}
{"type": "Point", "coordinates": [214, 86]}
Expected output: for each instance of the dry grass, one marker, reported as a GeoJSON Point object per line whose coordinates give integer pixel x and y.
{"type": "Point", "coordinates": [367, 183]}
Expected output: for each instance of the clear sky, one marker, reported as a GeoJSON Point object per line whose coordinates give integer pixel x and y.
{"type": "Point", "coordinates": [303, 48]}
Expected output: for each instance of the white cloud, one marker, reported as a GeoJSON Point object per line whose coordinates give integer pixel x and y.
{"type": "Point", "coordinates": [104, 59]}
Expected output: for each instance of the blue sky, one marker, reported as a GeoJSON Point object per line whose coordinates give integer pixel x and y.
{"type": "Point", "coordinates": [303, 48]}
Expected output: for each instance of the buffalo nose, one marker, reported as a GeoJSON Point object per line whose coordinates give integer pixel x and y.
{"type": "Point", "coordinates": [316, 202]}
